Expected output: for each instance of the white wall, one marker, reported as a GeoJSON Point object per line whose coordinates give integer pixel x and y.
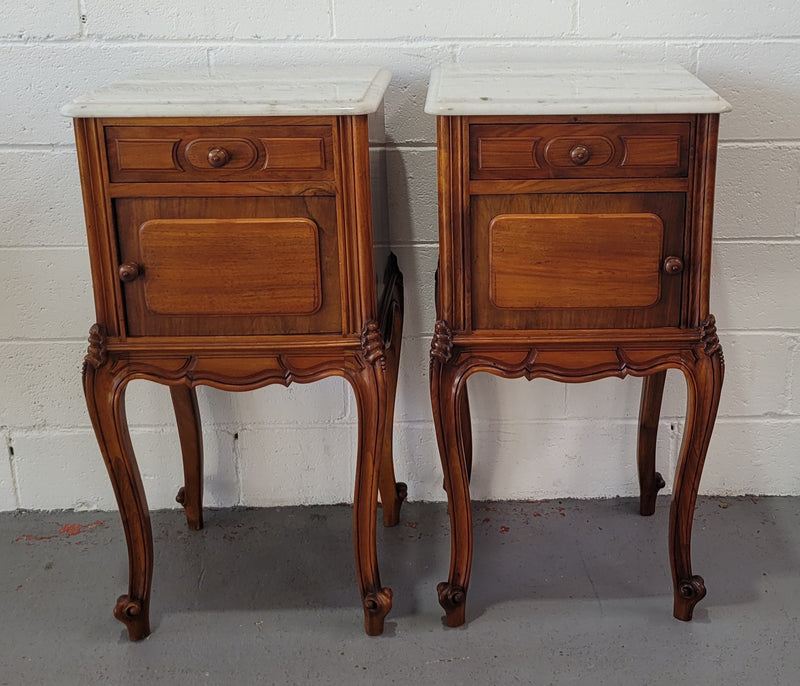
{"type": "Point", "coordinates": [275, 446]}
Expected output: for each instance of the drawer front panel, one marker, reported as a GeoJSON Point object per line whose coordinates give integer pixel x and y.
{"type": "Point", "coordinates": [575, 261]}
{"type": "Point", "coordinates": [219, 153]}
{"type": "Point", "coordinates": [229, 266]}
{"type": "Point", "coordinates": [531, 151]}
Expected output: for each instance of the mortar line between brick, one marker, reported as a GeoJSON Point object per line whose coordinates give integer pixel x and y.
{"type": "Point", "coordinates": [485, 422]}
{"type": "Point", "coordinates": [40, 248]}
{"type": "Point", "coordinates": [332, 20]}
{"type": "Point", "coordinates": [40, 341]}
{"type": "Point", "coordinates": [777, 240]}
{"type": "Point", "coordinates": [457, 41]}
{"type": "Point", "coordinates": [760, 143]}
{"type": "Point", "coordinates": [37, 147]}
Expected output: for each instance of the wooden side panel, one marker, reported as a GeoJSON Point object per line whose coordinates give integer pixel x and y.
{"type": "Point", "coordinates": [230, 266]}
{"type": "Point", "coordinates": [575, 260]}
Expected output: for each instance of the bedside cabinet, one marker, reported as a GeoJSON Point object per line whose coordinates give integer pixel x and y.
{"type": "Point", "coordinates": [229, 216]}
{"type": "Point", "coordinates": [575, 212]}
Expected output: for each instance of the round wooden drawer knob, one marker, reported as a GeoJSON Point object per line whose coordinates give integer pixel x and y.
{"type": "Point", "coordinates": [673, 265]}
{"type": "Point", "coordinates": [218, 157]}
{"type": "Point", "coordinates": [580, 155]}
{"type": "Point", "coordinates": [129, 271]}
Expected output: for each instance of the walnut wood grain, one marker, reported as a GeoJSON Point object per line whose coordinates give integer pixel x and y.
{"type": "Point", "coordinates": [227, 266]}
{"type": "Point", "coordinates": [546, 271]}
{"type": "Point", "coordinates": [650, 481]}
{"type": "Point", "coordinates": [153, 153]}
{"type": "Point", "coordinates": [581, 277]}
{"type": "Point", "coordinates": [575, 260]}
{"type": "Point", "coordinates": [249, 271]}
{"type": "Point", "coordinates": [547, 149]}
{"type": "Point", "coordinates": [190, 433]}
{"type": "Point", "coordinates": [188, 265]}
{"type": "Point", "coordinates": [392, 492]}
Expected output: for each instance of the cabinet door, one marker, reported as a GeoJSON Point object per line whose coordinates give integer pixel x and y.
{"type": "Point", "coordinates": [574, 261]}
{"type": "Point", "coordinates": [229, 266]}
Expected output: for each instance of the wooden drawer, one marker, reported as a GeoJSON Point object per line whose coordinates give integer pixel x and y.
{"type": "Point", "coordinates": [229, 266]}
{"type": "Point", "coordinates": [579, 150]}
{"type": "Point", "coordinates": [577, 261]}
{"type": "Point", "coordinates": [219, 153]}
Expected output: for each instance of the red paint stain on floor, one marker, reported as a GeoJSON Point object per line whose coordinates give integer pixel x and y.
{"type": "Point", "coordinates": [75, 529]}
{"type": "Point", "coordinates": [28, 538]}
{"type": "Point", "coordinates": [68, 529]}
{"type": "Point", "coordinates": [504, 529]}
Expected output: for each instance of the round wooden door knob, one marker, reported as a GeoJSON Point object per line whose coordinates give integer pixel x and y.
{"type": "Point", "coordinates": [580, 154]}
{"type": "Point", "coordinates": [218, 157]}
{"type": "Point", "coordinates": [673, 265]}
{"type": "Point", "coordinates": [129, 271]}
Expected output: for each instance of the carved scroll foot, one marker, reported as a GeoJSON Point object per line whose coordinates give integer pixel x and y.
{"type": "Point", "coordinates": [688, 593]}
{"type": "Point", "coordinates": [135, 615]}
{"type": "Point", "coordinates": [376, 607]}
{"type": "Point", "coordinates": [454, 601]}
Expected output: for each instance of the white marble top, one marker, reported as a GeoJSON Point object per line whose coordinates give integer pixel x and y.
{"type": "Point", "coordinates": [569, 88]}
{"type": "Point", "coordinates": [237, 91]}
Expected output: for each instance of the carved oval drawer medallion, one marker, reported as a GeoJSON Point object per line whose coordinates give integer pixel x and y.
{"type": "Point", "coordinates": [566, 151]}
{"type": "Point", "coordinates": [241, 153]}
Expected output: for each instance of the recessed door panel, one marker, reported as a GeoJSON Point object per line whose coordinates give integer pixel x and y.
{"type": "Point", "coordinates": [229, 266]}
{"type": "Point", "coordinates": [574, 261]}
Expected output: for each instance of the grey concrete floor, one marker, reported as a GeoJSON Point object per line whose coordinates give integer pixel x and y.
{"type": "Point", "coordinates": [562, 592]}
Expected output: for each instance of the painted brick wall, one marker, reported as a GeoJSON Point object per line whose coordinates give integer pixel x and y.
{"type": "Point", "coordinates": [274, 446]}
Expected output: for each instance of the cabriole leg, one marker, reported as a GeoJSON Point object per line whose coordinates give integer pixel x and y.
{"type": "Point", "coordinates": [449, 406]}
{"type": "Point", "coordinates": [369, 386]}
{"type": "Point", "coordinates": [393, 493]}
{"type": "Point", "coordinates": [704, 381]}
{"type": "Point", "coordinates": [104, 386]}
{"type": "Point", "coordinates": [650, 481]}
{"type": "Point", "coordinates": [187, 416]}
